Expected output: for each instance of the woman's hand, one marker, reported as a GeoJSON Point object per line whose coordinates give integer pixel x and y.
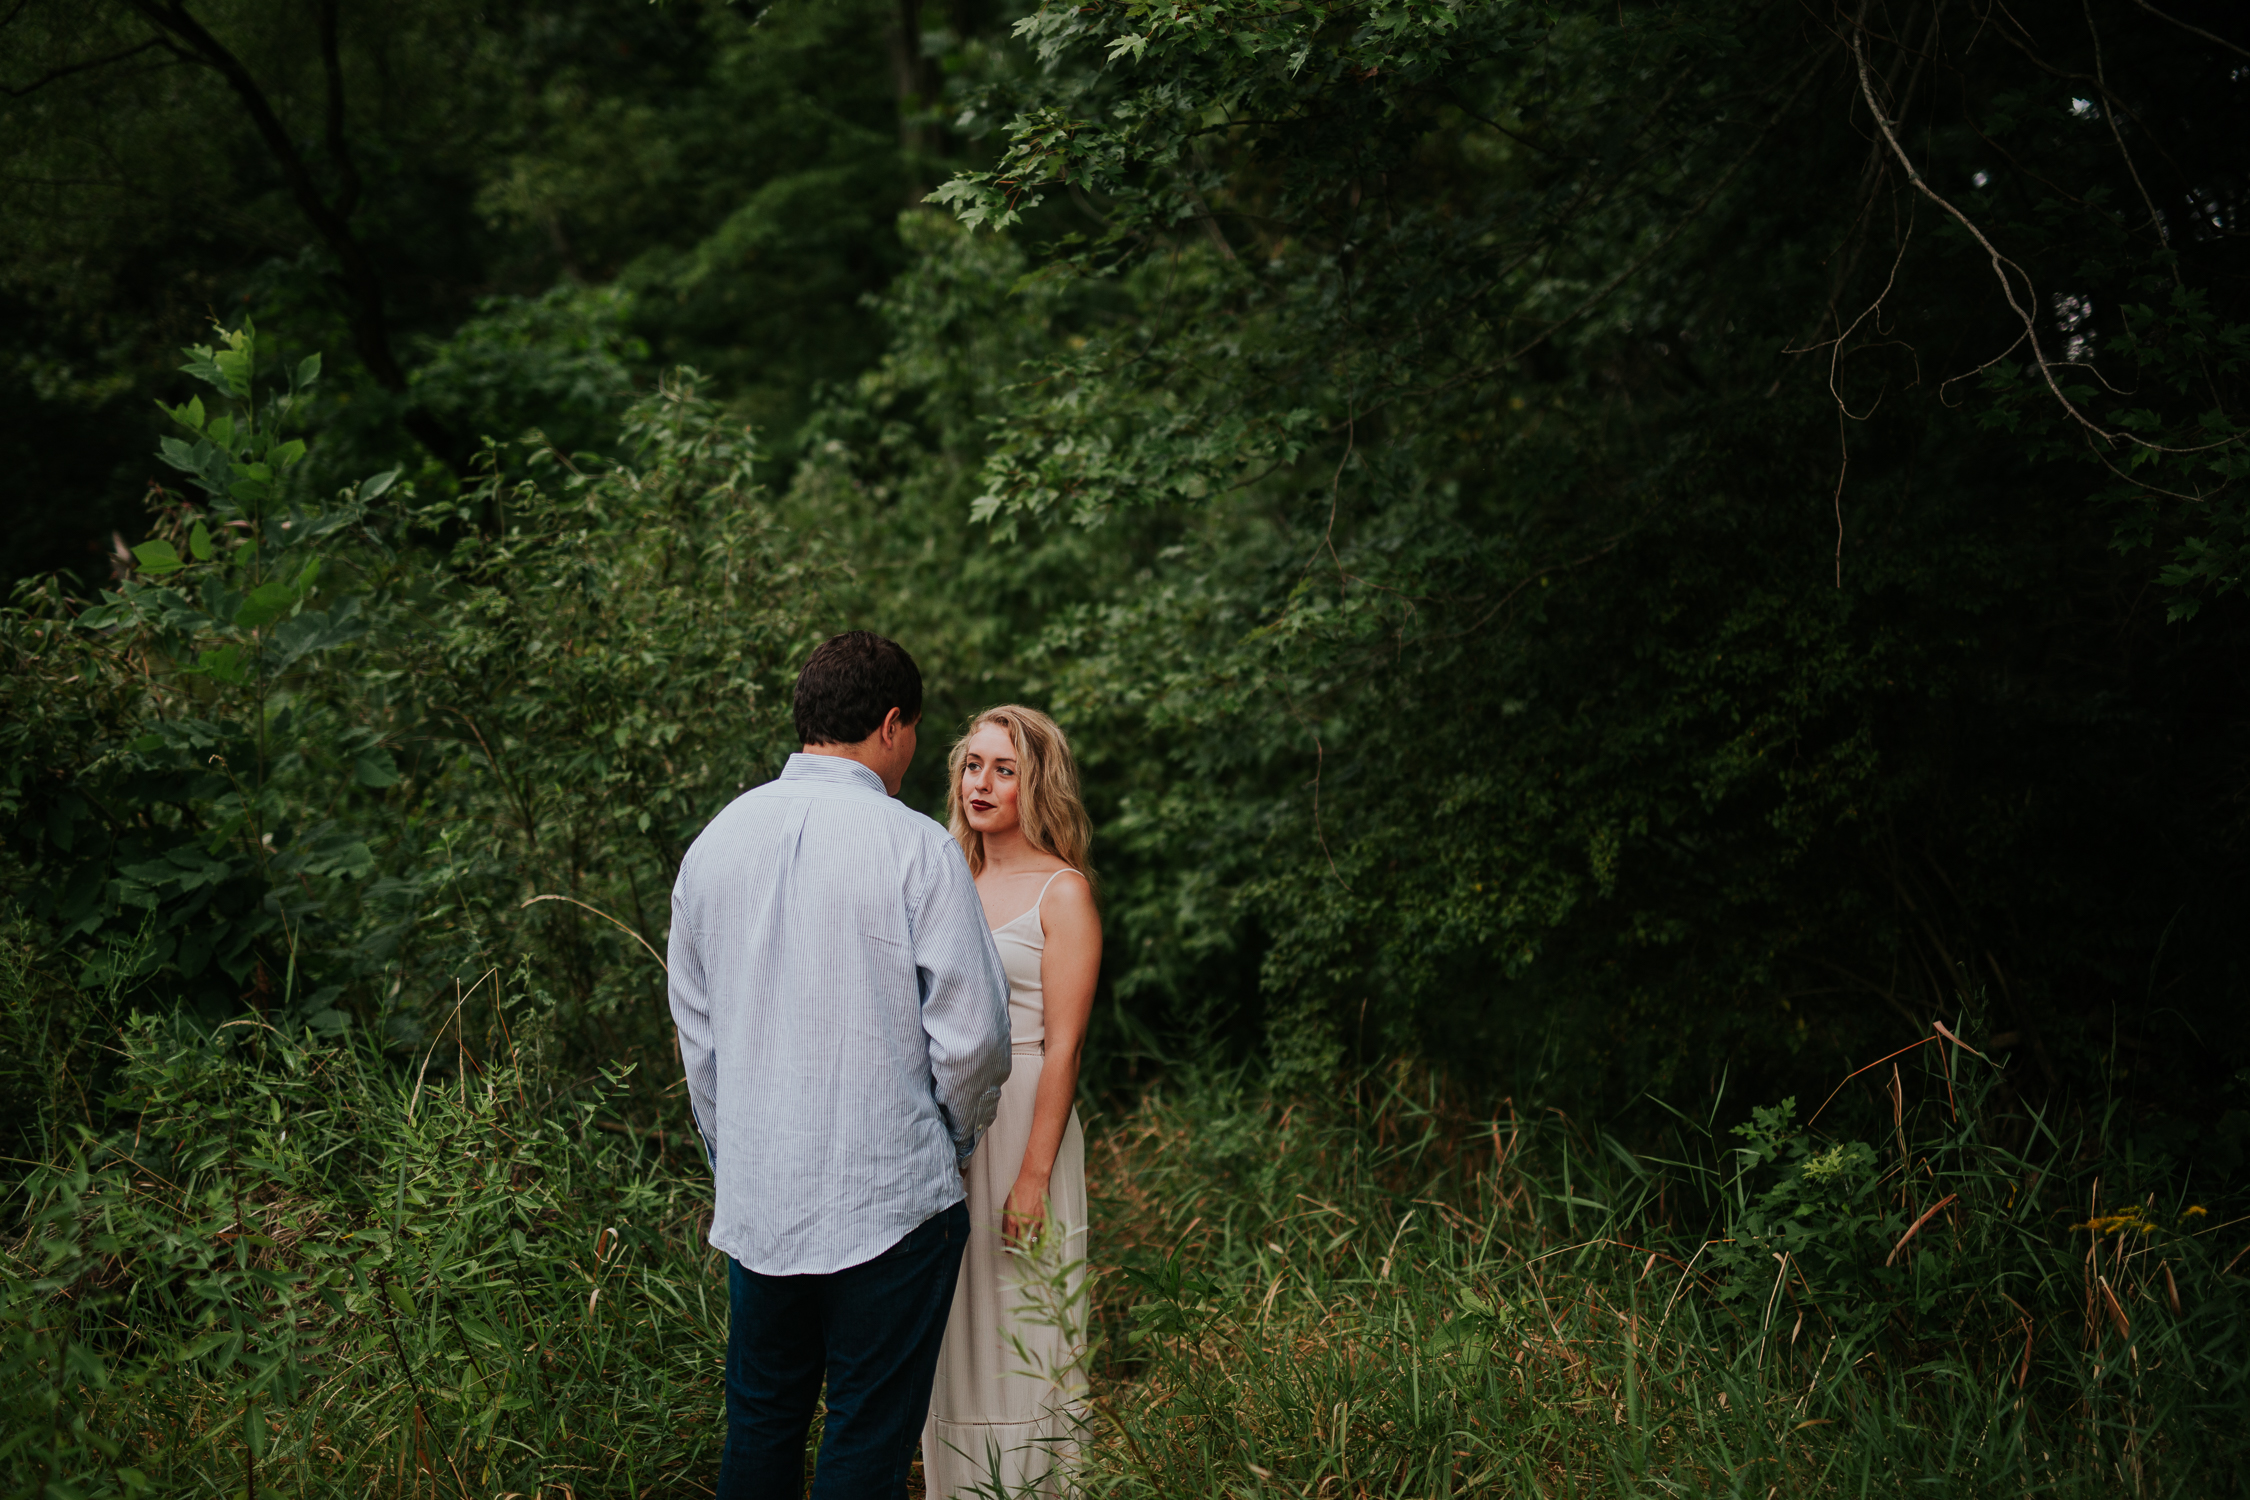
{"type": "Point", "coordinates": [1026, 1211]}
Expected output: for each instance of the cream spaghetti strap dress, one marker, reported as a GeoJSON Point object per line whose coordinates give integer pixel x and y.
{"type": "Point", "coordinates": [1010, 1387]}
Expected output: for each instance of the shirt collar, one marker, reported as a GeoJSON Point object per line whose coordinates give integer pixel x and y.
{"type": "Point", "coordinates": [836, 769]}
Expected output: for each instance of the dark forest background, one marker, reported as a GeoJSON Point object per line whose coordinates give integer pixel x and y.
{"type": "Point", "coordinates": [1649, 595]}
{"type": "Point", "coordinates": [1598, 549]}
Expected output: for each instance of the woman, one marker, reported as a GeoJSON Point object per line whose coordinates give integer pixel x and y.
{"type": "Point", "coordinates": [1009, 1381]}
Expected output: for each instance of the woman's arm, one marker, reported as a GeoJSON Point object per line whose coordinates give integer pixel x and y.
{"type": "Point", "coordinates": [1067, 970]}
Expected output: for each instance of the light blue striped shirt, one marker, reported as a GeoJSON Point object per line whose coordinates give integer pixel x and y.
{"type": "Point", "coordinates": [843, 1016]}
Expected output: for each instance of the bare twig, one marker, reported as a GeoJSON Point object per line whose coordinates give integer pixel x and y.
{"type": "Point", "coordinates": [523, 802]}
{"type": "Point", "coordinates": [2109, 118]}
{"type": "Point", "coordinates": [1320, 758]}
{"type": "Point", "coordinates": [1843, 408]}
{"type": "Point", "coordinates": [1335, 487]}
{"type": "Point", "coordinates": [606, 917]}
{"type": "Point", "coordinates": [1454, 97]}
{"type": "Point", "coordinates": [2002, 266]}
{"type": "Point", "coordinates": [55, 74]}
{"type": "Point", "coordinates": [1854, 1073]}
{"type": "Point", "coordinates": [1927, 1214]}
{"type": "Point", "coordinates": [2217, 41]}
{"type": "Point", "coordinates": [1844, 447]}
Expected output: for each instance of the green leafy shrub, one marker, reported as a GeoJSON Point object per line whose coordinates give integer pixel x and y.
{"type": "Point", "coordinates": [1821, 1210]}
{"type": "Point", "coordinates": [558, 364]}
{"type": "Point", "coordinates": [158, 730]}
{"type": "Point", "coordinates": [315, 757]}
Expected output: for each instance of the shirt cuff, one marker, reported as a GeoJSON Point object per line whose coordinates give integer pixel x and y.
{"type": "Point", "coordinates": [710, 1150]}
{"type": "Point", "coordinates": [961, 1153]}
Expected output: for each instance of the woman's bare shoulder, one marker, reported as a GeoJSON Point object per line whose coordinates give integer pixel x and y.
{"type": "Point", "coordinates": [1068, 894]}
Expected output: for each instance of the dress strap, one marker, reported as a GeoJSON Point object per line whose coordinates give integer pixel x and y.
{"type": "Point", "coordinates": [1041, 898]}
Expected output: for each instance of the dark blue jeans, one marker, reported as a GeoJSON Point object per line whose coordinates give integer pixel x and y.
{"type": "Point", "coordinates": [874, 1328]}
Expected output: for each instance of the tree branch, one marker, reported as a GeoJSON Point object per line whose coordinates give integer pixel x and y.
{"type": "Point", "coordinates": [100, 62]}
{"type": "Point", "coordinates": [339, 152]}
{"type": "Point", "coordinates": [364, 311]}
{"type": "Point", "coordinates": [1519, 138]}
{"type": "Point", "coordinates": [2109, 118]}
{"type": "Point", "coordinates": [2192, 30]}
{"type": "Point", "coordinates": [2001, 265]}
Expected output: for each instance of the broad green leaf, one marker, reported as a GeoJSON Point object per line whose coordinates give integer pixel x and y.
{"type": "Point", "coordinates": [202, 460]}
{"type": "Point", "coordinates": [267, 603]}
{"type": "Point", "coordinates": [219, 601]}
{"type": "Point", "coordinates": [224, 663]}
{"type": "Point", "coordinates": [103, 616]}
{"type": "Point", "coordinates": [375, 768]}
{"type": "Point", "coordinates": [376, 484]}
{"type": "Point", "coordinates": [307, 371]}
{"type": "Point", "coordinates": [287, 453]}
{"type": "Point", "coordinates": [158, 556]}
{"type": "Point", "coordinates": [234, 367]}
{"type": "Point", "coordinates": [315, 631]}
{"type": "Point", "coordinates": [199, 542]}
{"type": "Point", "coordinates": [202, 367]}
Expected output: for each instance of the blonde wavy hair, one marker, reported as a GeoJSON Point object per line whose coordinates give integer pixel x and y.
{"type": "Point", "coordinates": [1048, 807]}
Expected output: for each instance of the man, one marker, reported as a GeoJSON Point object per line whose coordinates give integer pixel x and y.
{"type": "Point", "coordinates": [843, 1018]}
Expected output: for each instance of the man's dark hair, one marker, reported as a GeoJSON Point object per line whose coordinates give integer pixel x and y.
{"type": "Point", "coordinates": [850, 683]}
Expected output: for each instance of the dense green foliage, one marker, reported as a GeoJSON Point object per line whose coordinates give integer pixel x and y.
{"type": "Point", "coordinates": [1617, 555]}
{"type": "Point", "coordinates": [1522, 564]}
{"type": "Point", "coordinates": [451, 201]}
{"type": "Point", "coordinates": [1589, 546]}
{"type": "Point", "coordinates": [291, 765]}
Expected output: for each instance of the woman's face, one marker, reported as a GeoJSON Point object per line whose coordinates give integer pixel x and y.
{"type": "Point", "coordinates": [989, 780]}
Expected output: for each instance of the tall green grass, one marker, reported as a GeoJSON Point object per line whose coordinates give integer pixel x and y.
{"type": "Point", "coordinates": [1388, 1299]}
{"type": "Point", "coordinates": [301, 1269]}
{"type": "Point", "coordinates": [306, 1268]}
